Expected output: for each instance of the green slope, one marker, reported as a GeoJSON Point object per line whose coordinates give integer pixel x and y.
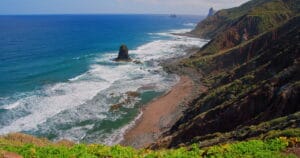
{"type": "Point", "coordinates": [30, 147]}
{"type": "Point", "coordinates": [250, 81]}
{"type": "Point", "coordinates": [227, 28]}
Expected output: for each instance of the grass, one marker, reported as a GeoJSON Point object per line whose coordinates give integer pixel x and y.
{"type": "Point", "coordinates": [253, 148]}
{"type": "Point", "coordinates": [257, 16]}
{"type": "Point", "coordinates": [279, 127]}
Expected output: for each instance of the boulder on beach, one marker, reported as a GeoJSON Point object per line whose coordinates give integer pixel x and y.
{"type": "Point", "coordinates": [123, 54]}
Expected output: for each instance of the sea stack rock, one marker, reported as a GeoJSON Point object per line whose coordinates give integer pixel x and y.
{"type": "Point", "coordinates": [123, 54]}
{"type": "Point", "coordinates": [211, 12]}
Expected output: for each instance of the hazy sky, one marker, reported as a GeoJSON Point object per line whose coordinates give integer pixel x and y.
{"type": "Point", "coordinates": [113, 6]}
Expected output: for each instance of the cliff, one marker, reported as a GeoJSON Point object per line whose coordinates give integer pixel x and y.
{"type": "Point", "coordinates": [252, 70]}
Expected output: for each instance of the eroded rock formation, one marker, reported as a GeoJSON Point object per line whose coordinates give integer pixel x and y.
{"type": "Point", "coordinates": [123, 54]}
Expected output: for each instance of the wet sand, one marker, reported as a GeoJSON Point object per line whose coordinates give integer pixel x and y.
{"type": "Point", "coordinates": [159, 115]}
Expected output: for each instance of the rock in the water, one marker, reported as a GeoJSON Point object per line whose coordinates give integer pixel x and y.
{"type": "Point", "coordinates": [123, 54]}
{"type": "Point", "coordinates": [116, 107]}
{"type": "Point", "coordinates": [137, 62]}
{"type": "Point", "coordinates": [130, 97]}
{"type": "Point", "coordinates": [133, 94]}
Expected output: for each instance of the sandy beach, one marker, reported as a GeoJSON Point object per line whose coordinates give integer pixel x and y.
{"type": "Point", "coordinates": [159, 115]}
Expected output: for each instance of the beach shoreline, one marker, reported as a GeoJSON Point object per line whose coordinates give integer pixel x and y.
{"type": "Point", "coordinates": [159, 115]}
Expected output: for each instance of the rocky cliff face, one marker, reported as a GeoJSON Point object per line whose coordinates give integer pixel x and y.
{"type": "Point", "coordinates": [252, 70]}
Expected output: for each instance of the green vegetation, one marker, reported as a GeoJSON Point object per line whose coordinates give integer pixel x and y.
{"type": "Point", "coordinates": [250, 70]}
{"type": "Point", "coordinates": [43, 149]}
{"type": "Point", "coordinates": [227, 27]}
{"type": "Point", "coordinates": [263, 131]}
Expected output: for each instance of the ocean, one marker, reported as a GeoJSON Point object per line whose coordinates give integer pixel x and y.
{"type": "Point", "coordinates": [58, 79]}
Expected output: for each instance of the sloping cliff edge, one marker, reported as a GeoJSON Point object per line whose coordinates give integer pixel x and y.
{"type": "Point", "coordinates": [251, 68]}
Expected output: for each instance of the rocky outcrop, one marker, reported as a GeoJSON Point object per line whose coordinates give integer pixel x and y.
{"type": "Point", "coordinates": [130, 97]}
{"type": "Point", "coordinates": [211, 12]}
{"type": "Point", "coordinates": [123, 54]}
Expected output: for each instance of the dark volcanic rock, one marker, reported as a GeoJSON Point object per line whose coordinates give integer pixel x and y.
{"type": "Point", "coordinates": [123, 54]}
{"type": "Point", "coordinates": [211, 12]}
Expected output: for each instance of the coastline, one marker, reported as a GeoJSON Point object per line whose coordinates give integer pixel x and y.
{"type": "Point", "coordinates": [70, 96]}
{"type": "Point", "coordinates": [152, 54]}
{"type": "Point", "coordinates": [159, 115]}
{"type": "Point", "coordinates": [88, 100]}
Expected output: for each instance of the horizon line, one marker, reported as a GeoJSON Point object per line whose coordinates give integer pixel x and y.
{"type": "Point", "coordinates": [46, 14]}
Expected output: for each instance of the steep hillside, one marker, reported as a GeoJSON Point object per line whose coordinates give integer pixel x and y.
{"type": "Point", "coordinates": [253, 79]}
{"type": "Point", "coordinates": [228, 28]}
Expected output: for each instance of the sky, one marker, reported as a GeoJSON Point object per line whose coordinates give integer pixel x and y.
{"type": "Point", "coordinates": [196, 7]}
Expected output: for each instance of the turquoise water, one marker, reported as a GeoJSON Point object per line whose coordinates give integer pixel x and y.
{"type": "Point", "coordinates": [58, 79]}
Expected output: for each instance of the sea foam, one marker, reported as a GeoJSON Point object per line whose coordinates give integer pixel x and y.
{"type": "Point", "coordinates": [76, 108]}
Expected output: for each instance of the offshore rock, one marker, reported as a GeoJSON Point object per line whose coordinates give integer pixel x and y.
{"type": "Point", "coordinates": [123, 54]}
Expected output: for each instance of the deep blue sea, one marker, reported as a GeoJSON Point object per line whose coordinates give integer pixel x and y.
{"type": "Point", "coordinates": [58, 79]}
